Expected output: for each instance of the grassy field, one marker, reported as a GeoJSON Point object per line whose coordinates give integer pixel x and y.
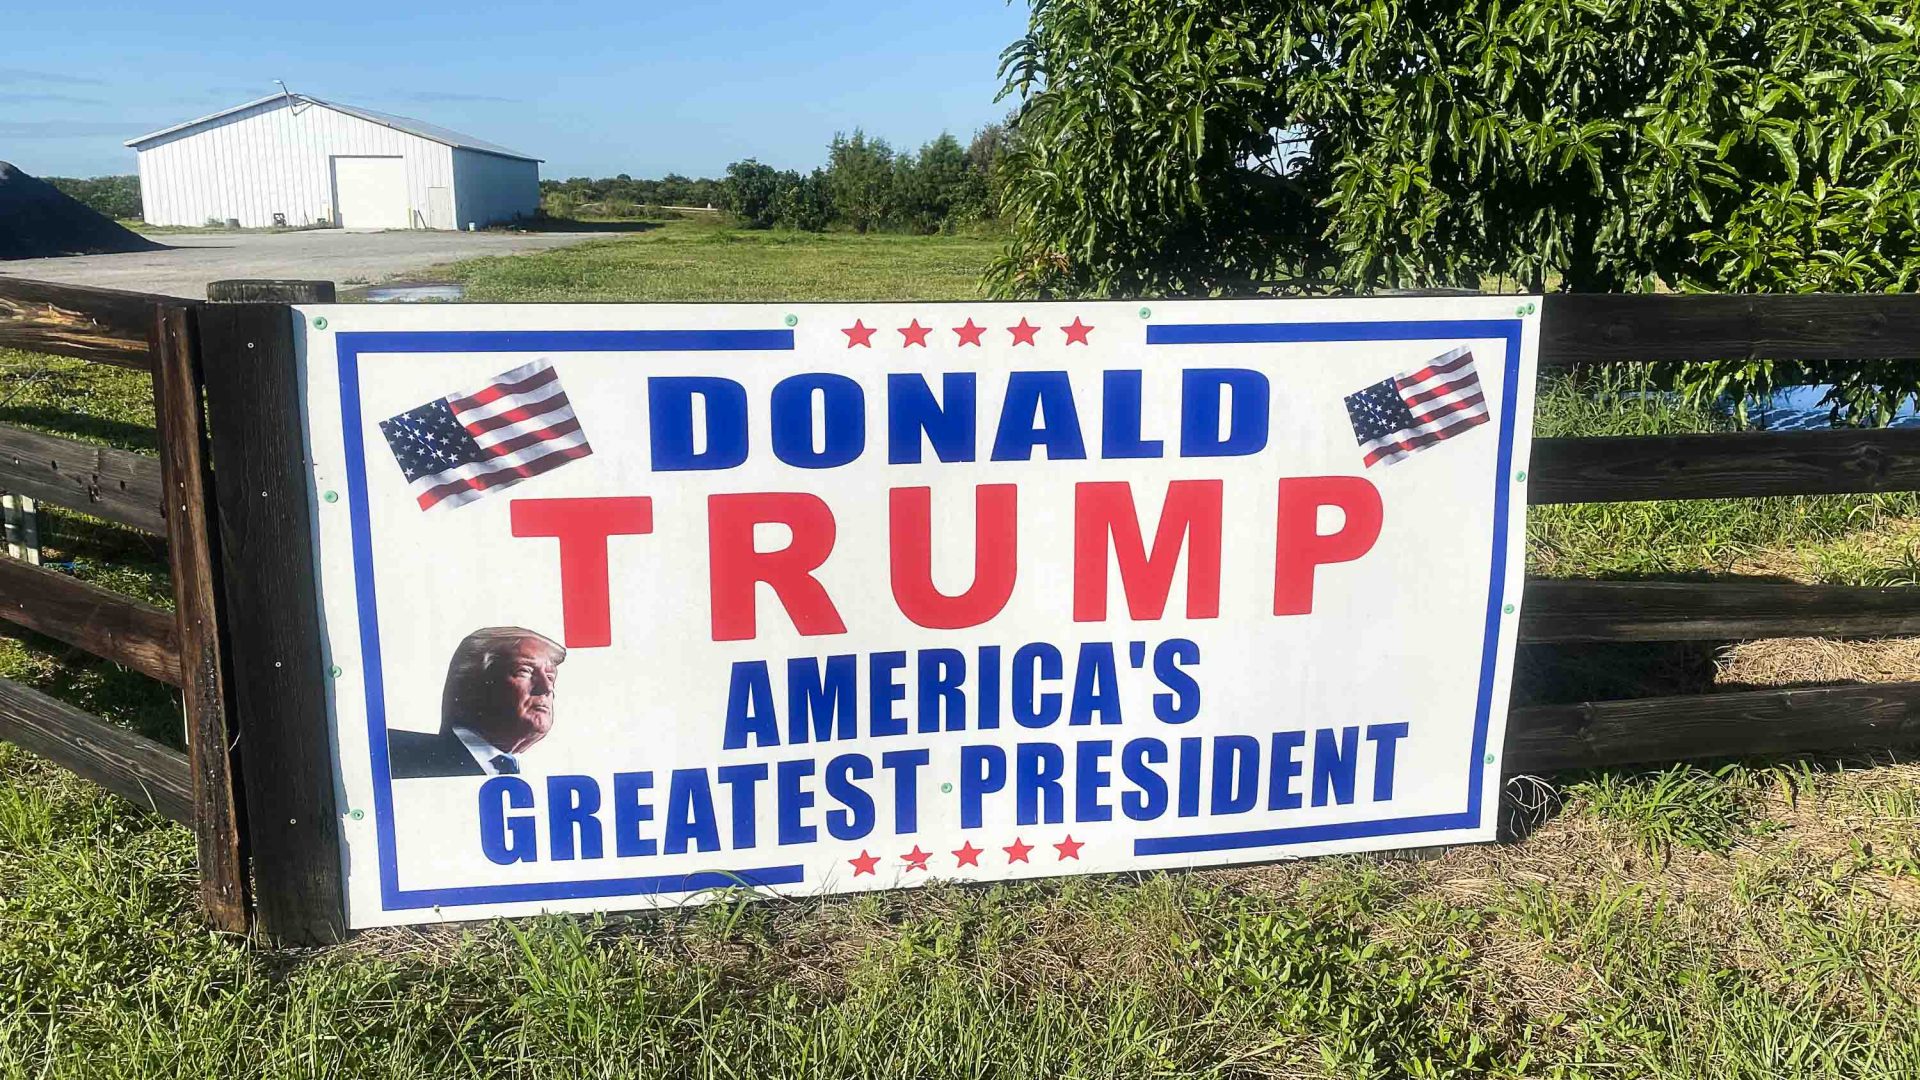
{"type": "Point", "coordinates": [704, 260]}
{"type": "Point", "coordinates": [1755, 919]}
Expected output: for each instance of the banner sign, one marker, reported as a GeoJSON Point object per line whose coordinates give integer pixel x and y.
{"type": "Point", "coordinates": [625, 604]}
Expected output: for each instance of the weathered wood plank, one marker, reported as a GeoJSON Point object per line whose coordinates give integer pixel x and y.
{"type": "Point", "coordinates": [271, 290]}
{"type": "Point", "coordinates": [1629, 467]}
{"type": "Point", "coordinates": [225, 889]}
{"type": "Point", "coordinates": [272, 618]}
{"type": "Point", "coordinates": [101, 621]}
{"type": "Point", "coordinates": [137, 769]}
{"type": "Point", "coordinates": [118, 485]}
{"type": "Point", "coordinates": [1549, 738]}
{"type": "Point", "coordinates": [1580, 328]}
{"type": "Point", "coordinates": [1719, 610]}
{"type": "Point", "coordinates": [70, 320]}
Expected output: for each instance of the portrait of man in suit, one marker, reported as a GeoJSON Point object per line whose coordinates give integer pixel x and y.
{"type": "Point", "coordinates": [497, 703]}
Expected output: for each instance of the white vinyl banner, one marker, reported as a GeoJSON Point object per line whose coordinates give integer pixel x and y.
{"type": "Point", "coordinates": [625, 604]}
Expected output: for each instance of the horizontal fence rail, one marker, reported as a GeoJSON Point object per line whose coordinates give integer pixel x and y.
{"type": "Point", "coordinates": [1554, 738]}
{"type": "Point", "coordinates": [104, 623]}
{"type": "Point", "coordinates": [1622, 468]}
{"type": "Point", "coordinates": [104, 325]}
{"type": "Point", "coordinates": [1717, 610]}
{"type": "Point", "coordinates": [106, 482]}
{"type": "Point", "coordinates": [136, 768]}
{"type": "Point", "coordinates": [1588, 328]}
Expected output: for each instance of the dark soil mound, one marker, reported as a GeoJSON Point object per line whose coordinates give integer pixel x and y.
{"type": "Point", "coordinates": [36, 221]}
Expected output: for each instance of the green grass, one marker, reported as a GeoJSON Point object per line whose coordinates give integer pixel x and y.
{"type": "Point", "coordinates": [1755, 920]}
{"type": "Point", "coordinates": [709, 261]}
{"type": "Point", "coordinates": [1837, 539]}
{"type": "Point", "coordinates": [1570, 955]}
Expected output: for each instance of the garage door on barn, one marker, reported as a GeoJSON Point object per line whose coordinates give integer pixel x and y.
{"type": "Point", "coordinates": [371, 192]}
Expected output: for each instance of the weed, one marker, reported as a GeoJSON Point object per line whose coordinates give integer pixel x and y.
{"type": "Point", "coordinates": [1682, 806]}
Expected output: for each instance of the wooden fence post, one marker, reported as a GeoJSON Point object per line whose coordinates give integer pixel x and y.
{"type": "Point", "coordinates": [191, 555]}
{"type": "Point", "coordinates": [272, 615]}
{"type": "Point", "coordinates": [20, 521]}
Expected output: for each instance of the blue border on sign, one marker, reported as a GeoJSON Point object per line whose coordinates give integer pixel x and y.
{"type": "Point", "coordinates": [1507, 330]}
{"type": "Point", "coordinates": [349, 347]}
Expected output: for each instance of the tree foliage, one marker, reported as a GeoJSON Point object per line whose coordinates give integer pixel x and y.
{"type": "Point", "coordinates": [584, 194]}
{"type": "Point", "coordinates": [752, 190]}
{"type": "Point", "coordinates": [806, 203]}
{"type": "Point", "coordinates": [1201, 146]}
{"type": "Point", "coordinates": [867, 185]}
{"type": "Point", "coordinates": [860, 175]}
{"type": "Point", "coordinates": [116, 197]}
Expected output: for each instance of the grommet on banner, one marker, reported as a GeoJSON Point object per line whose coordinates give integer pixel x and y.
{"type": "Point", "coordinates": [334, 671]}
{"type": "Point", "coordinates": [1508, 609]}
{"type": "Point", "coordinates": [1520, 477]}
{"type": "Point", "coordinates": [1146, 313]}
{"type": "Point", "coordinates": [330, 496]}
{"type": "Point", "coordinates": [793, 320]}
{"type": "Point", "coordinates": [319, 322]}
{"type": "Point", "coordinates": [356, 814]}
{"type": "Point", "coordinates": [1489, 759]}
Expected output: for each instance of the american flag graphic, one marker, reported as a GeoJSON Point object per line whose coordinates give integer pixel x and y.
{"type": "Point", "coordinates": [458, 448]}
{"type": "Point", "coordinates": [1413, 410]}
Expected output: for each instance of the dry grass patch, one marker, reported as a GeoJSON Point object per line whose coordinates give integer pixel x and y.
{"type": "Point", "coordinates": [1800, 661]}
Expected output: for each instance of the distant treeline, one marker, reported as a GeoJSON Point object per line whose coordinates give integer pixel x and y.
{"type": "Point", "coordinates": [868, 185]}
{"type": "Point", "coordinates": [114, 196]}
{"type": "Point", "coordinates": [623, 196]}
{"type": "Point", "coordinates": [865, 185]}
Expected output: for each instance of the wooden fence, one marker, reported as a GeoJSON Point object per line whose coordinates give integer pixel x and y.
{"type": "Point", "coordinates": [167, 495]}
{"type": "Point", "coordinates": [250, 715]}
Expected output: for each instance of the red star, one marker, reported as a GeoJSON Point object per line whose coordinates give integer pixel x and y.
{"type": "Point", "coordinates": [1077, 333]}
{"type": "Point", "coordinates": [967, 854]}
{"type": "Point", "coordinates": [859, 334]}
{"type": "Point", "coordinates": [916, 859]}
{"type": "Point", "coordinates": [1023, 334]}
{"type": "Point", "coordinates": [865, 863]}
{"type": "Point", "coordinates": [969, 334]}
{"type": "Point", "coordinates": [1018, 852]}
{"type": "Point", "coordinates": [1069, 848]}
{"type": "Point", "coordinates": [914, 334]}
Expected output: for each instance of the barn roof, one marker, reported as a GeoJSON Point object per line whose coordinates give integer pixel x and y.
{"type": "Point", "coordinates": [431, 132]}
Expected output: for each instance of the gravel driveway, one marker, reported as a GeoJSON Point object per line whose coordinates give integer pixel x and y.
{"type": "Point", "coordinates": [193, 259]}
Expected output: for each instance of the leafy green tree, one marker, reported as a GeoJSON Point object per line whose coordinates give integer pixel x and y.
{"type": "Point", "coordinates": [113, 196]}
{"type": "Point", "coordinates": [985, 177]}
{"type": "Point", "coordinates": [752, 189]}
{"type": "Point", "coordinates": [1205, 146]}
{"type": "Point", "coordinates": [930, 186]}
{"type": "Point", "coordinates": [805, 204]}
{"type": "Point", "coordinates": [860, 176]}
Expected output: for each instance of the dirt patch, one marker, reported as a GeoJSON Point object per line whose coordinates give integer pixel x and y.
{"type": "Point", "coordinates": [37, 220]}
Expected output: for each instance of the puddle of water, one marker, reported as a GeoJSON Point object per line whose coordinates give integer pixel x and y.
{"type": "Point", "coordinates": [413, 294]}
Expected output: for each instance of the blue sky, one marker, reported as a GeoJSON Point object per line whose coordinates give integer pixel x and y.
{"type": "Point", "coordinates": [595, 89]}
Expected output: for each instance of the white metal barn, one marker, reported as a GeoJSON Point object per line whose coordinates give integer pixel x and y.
{"type": "Point", "coordinates": [295, 160]}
